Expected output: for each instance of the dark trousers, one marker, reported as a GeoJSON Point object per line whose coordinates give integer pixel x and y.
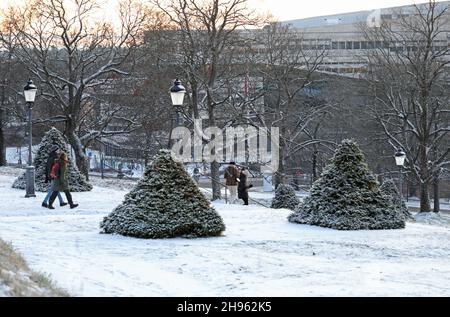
{"type": "Point", "coordinates": [55, 194]}
{"type": "Point", "coordinates": [244, 197]}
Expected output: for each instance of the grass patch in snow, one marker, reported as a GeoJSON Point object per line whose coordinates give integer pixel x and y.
{"type": "Point", "coordinates": [17, 280]}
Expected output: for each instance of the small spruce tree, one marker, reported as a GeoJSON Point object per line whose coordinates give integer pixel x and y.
{"type": "Point", "coordinates": [77, 181]}
{"type": "Point", "coordinates": [389, 189]}
{"type": "Point", "coordinates": [165, 203]}
{"type": "Point", "coordinates": [347, 196]}
{"type": "Point", "coordinates": [285, 198]}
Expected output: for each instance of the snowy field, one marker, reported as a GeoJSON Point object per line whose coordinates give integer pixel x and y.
{"type": "Point", "coordinates": [260, 254]}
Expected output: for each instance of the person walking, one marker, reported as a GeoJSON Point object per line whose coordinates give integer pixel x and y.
{"type": "Point", "coordinates": [196, 175]}
{"type": "Point", "coordinates": [232, 178]}
{"type": "Point", "coordinates": [244, 186]}
{"type": "Point", "coordinates": [52, 156]}
{"type": "Point", "coordinates": [61, 181]}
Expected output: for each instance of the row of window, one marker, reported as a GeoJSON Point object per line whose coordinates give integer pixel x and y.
{"type": "Point", "coordinates": [365, 45]}
{"type": "Point", "coordinates": [346, 70]}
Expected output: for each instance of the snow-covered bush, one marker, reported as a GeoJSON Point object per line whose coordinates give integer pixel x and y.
{"type": "Point", "coordinates": [77, 181]}
{"type": "Point", "coordinates": [389, 189]}
{"type": "Point", "coordinates": [285, 198]}
{"type": "Point", "coordinates": [347, 196]}
{"type": "Point", "coordinates": [165, 203]}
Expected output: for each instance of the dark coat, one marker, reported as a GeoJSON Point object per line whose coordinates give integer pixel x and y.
{"type": "Point", "coordinates": [61, 183]}
{"type": "Point", "coordinates": [243, 187]}
{"type": "Point", "coordinates": [50, 161]}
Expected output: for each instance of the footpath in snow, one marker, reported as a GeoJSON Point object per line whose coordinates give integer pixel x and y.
{"type": "Point", "coordinates": [260, 254]}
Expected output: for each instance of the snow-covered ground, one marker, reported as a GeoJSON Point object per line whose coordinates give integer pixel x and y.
{"type": "Point", "coordinates": [260, 254]}
{"type": "Point", "coordinates": [4, 290]}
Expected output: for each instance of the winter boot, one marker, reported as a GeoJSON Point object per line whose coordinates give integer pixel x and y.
{"type": "Point", "coordinates": [63, 204]}
{"type": "Point", "coordinates": [52, 200]}
{"type": "Point", "coordinates": [44, 205]}
{"type": "Point", "coordinates": [69, 199]}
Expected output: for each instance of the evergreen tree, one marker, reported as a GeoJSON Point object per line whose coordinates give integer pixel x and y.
{"type": "Point", "coordinates": [389, 189]}
{"type": "Point", "coordinates": [165, 203]}
{"type": "Point", "coordinates": [285, 198]}
{"type": "Point", "coordinates": [77, 181]}
{"type": "Point", "coordinates": [347, 196]}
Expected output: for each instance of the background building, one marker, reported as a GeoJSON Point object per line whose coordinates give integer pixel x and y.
{"type": "Point", "coordinates": [341, 36]}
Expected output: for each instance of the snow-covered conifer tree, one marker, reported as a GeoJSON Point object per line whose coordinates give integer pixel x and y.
{"type": "Point", "coordinates": [285, 198]}
{"type": "Point", "coordinates": [77, 181]}
{"type": "Point", "coordinates": [165, 203]}
{"type": "Point", "coordinates": [389, 189]}
{"type": "Point", "coordinates": [347, 196]}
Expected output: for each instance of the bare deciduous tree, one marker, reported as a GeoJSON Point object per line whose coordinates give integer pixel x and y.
{"type": "Point", "coordinates": [208, 36]}
{"type": "Point", "coordinates": [409, 80]}
{"type": "Point", "coordinates": [72, 57]}
{"type": "Point", "coordinates": [12, 78]}
{"type": "Point", "coordinates": [289, 70]}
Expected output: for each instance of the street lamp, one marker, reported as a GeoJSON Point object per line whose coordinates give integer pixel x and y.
{"type": "Point", "coordinates": [177, 92]}
{"type": "Point", "coordinates": [29, 91]}
{"type": "Point", "coordinates": [400, 157]}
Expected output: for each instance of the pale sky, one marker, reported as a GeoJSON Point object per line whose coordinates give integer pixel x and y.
{"type": "Point", "coordinates": [296, 9]}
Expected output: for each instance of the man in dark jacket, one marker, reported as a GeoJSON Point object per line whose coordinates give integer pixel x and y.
{"type": "Point", "coordinates": [52, 156]}
{"type": "Point", "coordinates": [243, 186]}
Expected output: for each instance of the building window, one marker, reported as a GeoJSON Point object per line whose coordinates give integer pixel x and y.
{"type": "Point", "coordinates": [334, 45]}
{"type": "Point", "coordinates": [363, 45]}
{"type": "Point", "coordinates": [356, 45]}
{"type": "Point", "coordinates": [342, 45]}
{"type": "Point", "coordinates": [349, 45]}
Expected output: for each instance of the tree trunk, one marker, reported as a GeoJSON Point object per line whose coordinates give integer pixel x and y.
{"type": "Point", "coordinates": [279, 174]}
{"type": "Point", "coordinates": [80, 156]}
{"type": "Point", "coordinates": [424, 173]}
{"type": "Point", "coordinates": [2, 135]}
{"type": "Point", "coordinates": [2, 141]}
{"type": "Point", "coordinates": [82, 163]}
{"type": "Point", "coordinates": [314, 164]}
{"type": "Point", "coordinates": [436, 205]}
{"type": "Point", "coordinates": [424, 197]}
{"type": "Point", "coordinates": [215, 174]}
{"type": "Point", "coordinates": [215, 179]}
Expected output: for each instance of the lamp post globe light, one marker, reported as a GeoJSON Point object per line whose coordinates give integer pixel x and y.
{"type": "Point", "coordinates": [29, 92]}
{"type": "Point", "coordinates": [177, 92]}
{"type": "Point", "coordinates": [400, 157]}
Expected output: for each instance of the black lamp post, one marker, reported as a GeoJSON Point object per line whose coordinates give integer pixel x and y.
{"type": "Point", "coordinates": [400, 157]}
{"type": "Point", "coordinates": [29, 92]}
{"type": "Point", "coordinates": [177, 92]}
